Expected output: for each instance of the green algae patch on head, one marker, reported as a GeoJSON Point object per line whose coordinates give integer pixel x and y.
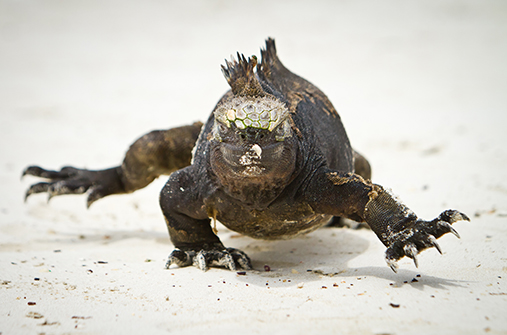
{"type": "Point", "coordinates": [247, 112]}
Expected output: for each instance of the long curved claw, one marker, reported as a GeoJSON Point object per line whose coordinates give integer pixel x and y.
{"type": "Point", "coordinates": [449, 228]}
{"type": "Point", "coordinates": [37, 171]}
{"type": "Point", "coordinates": [452, 216]}
{"type": "Point", "coordinates": [392, 259]}
{"type": "Point", "coordinates": [393, 264]}
{"type": "Point", "coordinates": [37, 188]}
{"type": "Point", "coordinates": [433, 242]}
{"type": "Point", "coordinates": [411, 251]}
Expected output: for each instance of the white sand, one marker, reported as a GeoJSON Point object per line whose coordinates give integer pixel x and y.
{"type": "Point", "coordinates": [421, 87]}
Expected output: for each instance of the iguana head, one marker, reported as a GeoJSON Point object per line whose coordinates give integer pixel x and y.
{"type": "Point", "coordinates": [252, 138]}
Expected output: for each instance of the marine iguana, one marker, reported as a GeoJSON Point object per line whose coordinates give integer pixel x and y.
{"type": "Point", "coordinates": [273, 161]}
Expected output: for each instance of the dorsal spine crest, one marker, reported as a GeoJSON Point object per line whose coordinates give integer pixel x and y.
{"type": "Point", "coordinates": [241, 76]}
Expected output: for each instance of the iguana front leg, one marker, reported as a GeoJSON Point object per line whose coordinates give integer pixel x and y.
{"type": "Point", "coordinates": [397, 227]}
{"type": "Point", "coordinates": [156, 153]}
{"type": "Point", "coordinates": [187, 219]}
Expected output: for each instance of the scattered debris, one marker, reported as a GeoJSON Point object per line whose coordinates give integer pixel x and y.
{"type": "Point", "coordinates": [46, 323]}
{"type": "Point", "coordinates": [478, 213]}
{"type": "Point", "coordinates": [34, 315]}
{"type": "Point", "coordinates": [322, 273]}
{"type": "Point", "coordinates": [394, 305]}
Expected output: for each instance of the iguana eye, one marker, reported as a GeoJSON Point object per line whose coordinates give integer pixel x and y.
{"type": "Point", "coordinates": [222, 128]}
{"type": "Point", "coordinates": [279, 131]}
{"type": "Point", "coordinates": [282, 131]}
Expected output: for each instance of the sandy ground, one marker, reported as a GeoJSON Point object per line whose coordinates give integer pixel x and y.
{"type": "Point", "coordinates": [421, 87]}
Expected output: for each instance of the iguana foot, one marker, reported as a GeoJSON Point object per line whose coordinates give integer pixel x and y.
{"type": "Point", "coordinates": [70, 180]}
{"type": "Point", "coordinates": [421, 235]}
{"type": "Point", "coordinates": [230, 258]}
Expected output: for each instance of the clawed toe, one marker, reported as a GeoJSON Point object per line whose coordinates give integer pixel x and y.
{"type": "Point", "coordinates": [70, 180]}
{"type": "Point", "coordinates": [37, 171]}
{"type": "Point", "coordinates": [180, 258]}
{"type": "Point", "coordinates": [452, 216]}
{"type": "Point", "coordinates": [229, 258]}
{"type": "Point", "coordinates": [37, 188]}
{"type": "Point", "coordinates": [448, 228]}
{"type": "Point", "coordinates": [411, 251]}
{"type": "Point", "coordinates": [423, 235]}
{"type": "Point", "coordinates": [240, 258]}
{"type": "Point", "coordinates": [222, 258]}
{"type": "Point", "coordinates": [433, 241]}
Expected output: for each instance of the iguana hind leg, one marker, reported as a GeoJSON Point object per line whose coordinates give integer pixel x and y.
{"type": "Point", "coordinates": [363, 168]}
{"type": "Point", "coordinates": [159, 152]}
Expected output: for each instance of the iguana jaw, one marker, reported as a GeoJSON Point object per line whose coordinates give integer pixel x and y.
{"type": "Point", "coordinates": [253, 169]}
{"type": "Point", "coordinates": [252, 161]}
{"type": "Point", "coordinates": [255, 174]}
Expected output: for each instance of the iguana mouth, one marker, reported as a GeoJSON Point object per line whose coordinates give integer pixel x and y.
{"type": "Point", "coordinates": [252, 161]}
{"type": "Point", "coordinates": [253, 172]}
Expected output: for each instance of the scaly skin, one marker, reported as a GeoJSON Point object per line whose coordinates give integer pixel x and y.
{"type": "Point", "coordinates": [273, 161]}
